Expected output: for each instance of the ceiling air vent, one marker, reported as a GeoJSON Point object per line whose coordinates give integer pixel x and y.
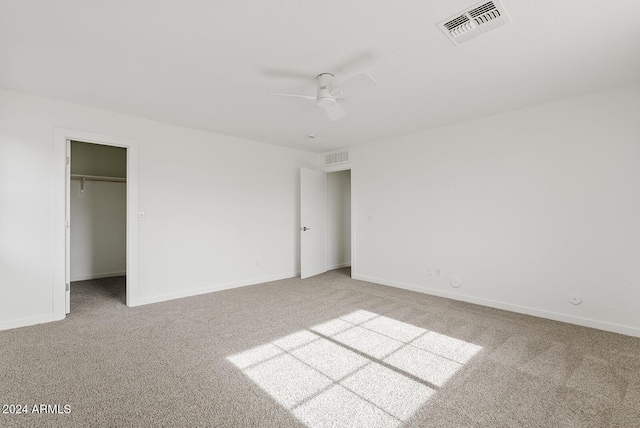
{"type": "Point", "coordinates": [474, 21]}
{"type": "Point", "coordinates": [336, 158]}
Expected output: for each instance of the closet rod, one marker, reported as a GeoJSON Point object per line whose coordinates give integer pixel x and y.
{"type": "Point", "coordinates": [98, 178]}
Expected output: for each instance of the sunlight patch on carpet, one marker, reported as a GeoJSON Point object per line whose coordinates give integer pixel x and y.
{"type": "Point", "coordinates": [359, 369]}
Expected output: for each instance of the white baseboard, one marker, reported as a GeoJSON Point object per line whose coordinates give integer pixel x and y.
{"type": "Point", "coordinates": [24, 322]}
{"type": "Point", "coordinates": [210, 289]}
{"type": "Point", "coordinates": [86, 277]}
{"type": "Point", "coordinates": [340, 266]}
{"type": "Point", "coordinates": [585, 322]}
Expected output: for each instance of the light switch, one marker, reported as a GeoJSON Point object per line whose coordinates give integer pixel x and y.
{"type": "Point", "coordinates": [141, 216]}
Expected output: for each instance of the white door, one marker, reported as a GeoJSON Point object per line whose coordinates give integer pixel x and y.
{"type": "Point", "coordinates": [313, 222]}
{"type": "Point", "coordinates": [67, 232]}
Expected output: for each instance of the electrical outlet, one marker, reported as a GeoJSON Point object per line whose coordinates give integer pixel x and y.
{"type": "Point", "coordinates": [438, 272]}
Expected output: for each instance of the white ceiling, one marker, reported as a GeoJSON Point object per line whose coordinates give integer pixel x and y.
{"type": "Point", "coordinates": [210, 64]}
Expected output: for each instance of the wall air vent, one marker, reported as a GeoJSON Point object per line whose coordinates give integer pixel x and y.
{"type": "Point", "coordinates": [336, 158]}
{"type": "Point", "coordinates": [474, 21]}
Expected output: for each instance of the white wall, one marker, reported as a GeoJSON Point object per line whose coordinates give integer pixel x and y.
{"type": "Point", "coordinates": [339, 219]}
{"type": "Point", "coordinates": [214, 206]}
{"type": "Point", "coordinates": [98, 229]}
{"type": "Point", "coordinates": [525, 208]}
{"type": "Point", "coordinates": [98, 159]}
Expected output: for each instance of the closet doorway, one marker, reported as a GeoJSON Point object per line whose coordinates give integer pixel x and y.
{"type": "Point", "coordinates": [97, 213]}
{"type": "Point", "coordinates": [338, 219]}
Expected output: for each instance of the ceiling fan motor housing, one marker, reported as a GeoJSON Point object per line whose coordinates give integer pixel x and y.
{"type": "Point", "coordinates": [325, 86]}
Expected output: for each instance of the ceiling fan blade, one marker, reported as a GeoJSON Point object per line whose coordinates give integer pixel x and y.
{"type": "Point", "coordinates": [359, 83]}
{"type": "Point", "coordinates": [360, 61]}
{"type": "Point", "coordinates": [288, 74]}
{"type": "Point", "coordinates": [308, 97]}
{"type": "Point", "coordinates": [336, 112]}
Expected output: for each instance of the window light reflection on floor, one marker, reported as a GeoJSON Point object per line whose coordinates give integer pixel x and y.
{"type": "Point", "coordinates": [361, 369]}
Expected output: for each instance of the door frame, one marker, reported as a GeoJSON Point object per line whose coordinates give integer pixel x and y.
{"type": "Point", "coordinates": [348, 167]}
{"type": "Point", "coordinates": [60, 182]}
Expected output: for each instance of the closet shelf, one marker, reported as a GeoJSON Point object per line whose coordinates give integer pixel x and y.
{"type": "Point", "coordinates": [98, 178]}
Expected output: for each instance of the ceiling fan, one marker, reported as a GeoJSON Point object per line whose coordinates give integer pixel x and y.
{"type": "Point", "coordinates": [328, 92]}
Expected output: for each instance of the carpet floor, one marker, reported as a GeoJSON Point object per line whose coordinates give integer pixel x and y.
{"type": "Point", "coordinates": [328, 351]}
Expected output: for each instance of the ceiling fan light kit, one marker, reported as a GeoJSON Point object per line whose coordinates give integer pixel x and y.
{"type": "Point", "coordinates": [325, 83]}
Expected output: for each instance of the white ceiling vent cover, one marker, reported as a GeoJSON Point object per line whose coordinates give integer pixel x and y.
{"type": "Point", "coordinates": [336, 158]}
{"type": "Point", "coordinates": [474, 21]}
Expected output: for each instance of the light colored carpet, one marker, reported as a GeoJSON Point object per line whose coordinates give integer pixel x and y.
{"type": "Point", "coordinates": [326, 351]}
